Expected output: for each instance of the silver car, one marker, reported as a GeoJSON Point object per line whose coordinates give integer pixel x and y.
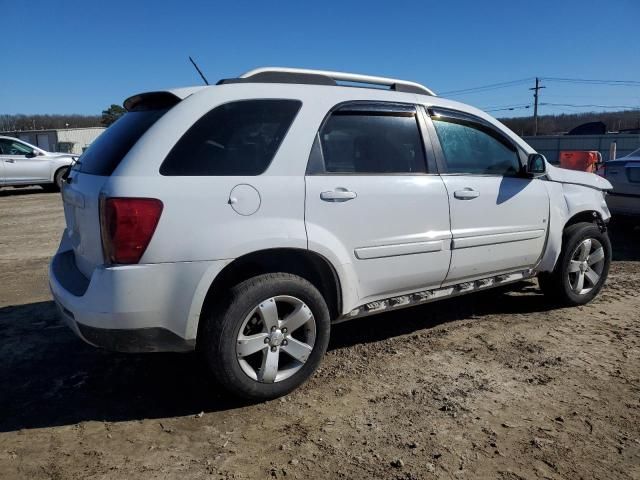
{"type": "Point", "coordinates": [624, 175]}
{"type": "Point", "coordinates": [24, 164]}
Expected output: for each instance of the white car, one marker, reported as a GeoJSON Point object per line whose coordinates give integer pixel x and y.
{"type": "Point", "coordinates": [243, 219]}
{"type": "Point", "coordinates": [23, 164]}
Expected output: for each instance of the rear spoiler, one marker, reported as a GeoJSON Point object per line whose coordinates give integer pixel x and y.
{"type": "Point", "coordinates": [159, 99]}
{"type": "Point", "coordinates": [151, 101]}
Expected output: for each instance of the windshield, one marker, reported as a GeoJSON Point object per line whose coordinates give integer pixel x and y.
{"type": "Point", "coordinates": [635, 153]}
{"type": "Point", "coordinates": [106, 152]}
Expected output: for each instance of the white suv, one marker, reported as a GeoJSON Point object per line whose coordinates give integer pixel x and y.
{"type": "Point", "coordinates": [243, 219]}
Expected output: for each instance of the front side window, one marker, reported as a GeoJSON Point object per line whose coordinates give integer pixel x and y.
{"type": "Point", "coordinates": [12, 147]}
{"type": "Point", "coordinates": [471, 148]}
{"type": "Point", "coordinates": [375, 142]}
{"type": "Point", "coordinates": [238, 138]}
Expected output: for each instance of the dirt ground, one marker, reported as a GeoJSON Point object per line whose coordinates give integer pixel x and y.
{"type": "Point", "coordinates": [494, 385]}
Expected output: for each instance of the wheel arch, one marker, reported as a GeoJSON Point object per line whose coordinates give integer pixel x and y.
{"type": "Point", "coordinates": [305, 263]}
{"type": "Point", "coordinates": [556, 240]}
{"type": "Point", "coordinates": [58, 169]}
{"type": "Point", "coordinates": [589, 216]}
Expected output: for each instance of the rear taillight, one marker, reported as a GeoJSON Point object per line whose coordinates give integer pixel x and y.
{"type": "Point", "coordinates": [127, 225]}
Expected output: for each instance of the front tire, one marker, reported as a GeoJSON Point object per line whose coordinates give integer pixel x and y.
{"type": "Point", "coordinates": [60, 176]}
{"type": "Point", "coordinates": [58, 180]}
{"type": "Point", "coordinates": [267, 337]}
{"type": "Point", "coordinates": [582, 267]}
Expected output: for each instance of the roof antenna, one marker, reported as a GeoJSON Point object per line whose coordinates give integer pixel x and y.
{"type": "Point", "coordinates": [199, 71]}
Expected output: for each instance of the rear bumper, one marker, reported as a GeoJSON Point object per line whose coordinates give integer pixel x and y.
{"type": "Point", "coordinates": [132, 340]}
{"type": "Point", "coordinates": [135, 340]}
{"type": "Point", "coordinates": [132, 308]}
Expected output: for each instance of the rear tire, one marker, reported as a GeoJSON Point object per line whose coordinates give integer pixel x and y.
{"type": "Point", "coordinates": [582, 267]}
{"type": "Point", "coordinates": [247, 344]}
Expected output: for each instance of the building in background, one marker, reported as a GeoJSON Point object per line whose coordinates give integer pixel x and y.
{"type": "Point", "coordinates": [65, 140]}
{"type": "Point", "coordinates": [551, 145]}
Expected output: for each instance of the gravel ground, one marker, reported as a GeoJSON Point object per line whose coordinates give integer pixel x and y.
{"type": "Point", "coordinates": [493, 385]}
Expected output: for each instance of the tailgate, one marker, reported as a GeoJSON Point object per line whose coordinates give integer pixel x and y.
{"type": "Point", "coordinates": [81, 200]}
{"type": "Point", "coordinates": [81, 196]}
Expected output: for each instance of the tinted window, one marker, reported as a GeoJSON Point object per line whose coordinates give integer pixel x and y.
{"type": "Point", "coordinates": [105, 153]}
{"type": "Point", "coordinates": [11, 147]}
{"type": "Point", "coordinates": [470, 148]}
{"type": "Point", "coordinates": [355, 142]}
{"type": "Point", "coordinates": [633, 173]}
{"type": "Point", "coordinates": [239, 138]}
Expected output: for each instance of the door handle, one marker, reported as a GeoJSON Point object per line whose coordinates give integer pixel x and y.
{"type": "Point", "coordinates": [466, 194]}
{"type": "Point", "coordinates": [10, 160]}
{"type": "Point", "coordinates": [338, 195]}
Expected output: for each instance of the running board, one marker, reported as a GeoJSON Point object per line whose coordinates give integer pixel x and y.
{"type": "Point", "coordinates": [426, 296]}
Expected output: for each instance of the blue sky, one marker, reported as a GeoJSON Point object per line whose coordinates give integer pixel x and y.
{"type": "Point", "coordinates": [81, 56]}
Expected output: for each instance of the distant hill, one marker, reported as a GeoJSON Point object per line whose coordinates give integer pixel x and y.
{"type": "Point", "coordinates": [9, 123]}
{"type": "Point", "coordinates": [562, 123]}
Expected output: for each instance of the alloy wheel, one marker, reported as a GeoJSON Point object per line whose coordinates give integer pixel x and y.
{"type": "Point", "coordinates": [586, 266]}
{"type": "Point", "coordinates": [276, 339]}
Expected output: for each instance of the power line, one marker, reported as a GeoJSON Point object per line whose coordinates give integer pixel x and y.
{"type": "Point", "coordinates": [536, 95]}
{"type": "Point", "coordinates": [485, 88]}
{"type": "Point", "coordinates": [579, 98]}
{"type": "Point", "coordinates": [572, 105]}
{"type": "Point", "coordinates": [506, 107]}
{"type": "Point", "coordinates": [626, 83]}
{"type": "Point", "coordinates": [494, 86]}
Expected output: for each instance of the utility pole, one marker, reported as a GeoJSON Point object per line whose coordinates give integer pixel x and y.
{"type": "Point", "coordinates": [535, 105]}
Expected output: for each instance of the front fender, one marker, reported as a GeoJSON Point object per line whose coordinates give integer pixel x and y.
{"type": "Point", "coordinates": [56, 164]}
{"type": "Point", "coordinates": [567, 201]}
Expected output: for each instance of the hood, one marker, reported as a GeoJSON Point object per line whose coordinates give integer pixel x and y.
{"type": "Point", "coordinates": [60, 154]}
{"type": "Point", "coordinates": [564, 175]}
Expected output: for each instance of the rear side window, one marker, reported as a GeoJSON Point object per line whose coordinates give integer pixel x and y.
{"type": "Point", "coordinates": [372, 142]}
{"type": "Point", "coordinates": [238, 138]}
{"type": "Point", "coordinates": [106, 151]}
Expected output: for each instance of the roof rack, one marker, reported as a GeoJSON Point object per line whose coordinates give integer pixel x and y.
{"type": "Point", "coordinates": [324, 77]}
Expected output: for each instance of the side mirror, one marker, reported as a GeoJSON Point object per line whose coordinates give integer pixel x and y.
{"type": "Point", "coordinates": [599, 160]}
{"type": "Point", "coordinates": [31, 154]}
{"type": "Point", "coordinates": [536, 165]}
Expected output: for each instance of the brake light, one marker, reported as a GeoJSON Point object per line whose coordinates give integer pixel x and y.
{"type": "Point", "coordinates": [127, 225]}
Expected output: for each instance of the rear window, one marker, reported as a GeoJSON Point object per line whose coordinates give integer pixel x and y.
{"type": "Point", "coordinates": [106, 151]}
{"type": "Point", "coordinates": [237, 138]}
